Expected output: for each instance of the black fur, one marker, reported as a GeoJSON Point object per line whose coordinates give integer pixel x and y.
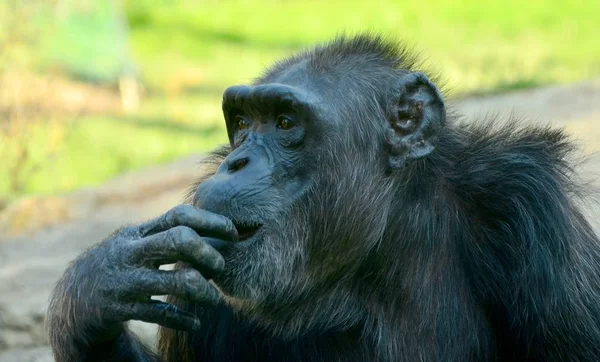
{"type": "Point", "coordinates": [477, 252]}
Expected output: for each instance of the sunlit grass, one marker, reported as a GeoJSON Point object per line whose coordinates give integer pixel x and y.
{"type": "Point", "coordinates": [478, 45]}
{"type": "Point", "coordinates": [189, 51]}
{"type": "Point", "coordinates": [98, 147]}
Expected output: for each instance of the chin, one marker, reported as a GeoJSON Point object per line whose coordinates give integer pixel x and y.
{"type": "Point", "coordinates": [255, 271]}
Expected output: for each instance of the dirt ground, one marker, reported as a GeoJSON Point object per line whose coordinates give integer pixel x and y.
{"type": "Point", "coordinates": [34, 255]}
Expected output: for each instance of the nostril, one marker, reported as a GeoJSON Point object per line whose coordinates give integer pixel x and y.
{"type": "Point", "coordinates": [237, 164]}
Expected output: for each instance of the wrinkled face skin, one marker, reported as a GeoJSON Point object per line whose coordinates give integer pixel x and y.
{"type": "Point", "coordinates": [271, 129]}
{"type": "Point", "coordinates": [294, 158]}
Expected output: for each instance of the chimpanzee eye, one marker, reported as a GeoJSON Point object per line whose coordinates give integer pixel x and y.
{"type": "Point", "coordinates": [284, 123]}
{"type": "Point", "coordinates": [242, 123]}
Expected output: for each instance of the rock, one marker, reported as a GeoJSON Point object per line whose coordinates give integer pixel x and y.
{"type": "Point", "coordinates": [36, 354]}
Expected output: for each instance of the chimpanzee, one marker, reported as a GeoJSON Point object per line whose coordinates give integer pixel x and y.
{"type": "Point", "coordinates": [353, 217]}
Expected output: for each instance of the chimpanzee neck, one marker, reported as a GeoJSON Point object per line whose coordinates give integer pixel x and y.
{"type": "Point", "coordinates": [233, 337]}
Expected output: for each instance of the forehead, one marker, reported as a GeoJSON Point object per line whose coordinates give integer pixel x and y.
{"type": "Point", "coordinates": [293, 87]}
{"type": "Point", "coordinates": [304, 74]}
{"type": "Point", "coordinates": [296, 74]}
{"type": "Point", "coordinates": [332, 91]}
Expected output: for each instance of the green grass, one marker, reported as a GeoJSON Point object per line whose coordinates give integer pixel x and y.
{"type": "Point", "coordinates": [107, 150]}
{"type": "Point", "coordinates": [189, 51]}
{"type": "Point", "coordinates": [478, 45]}
{"type": "Point", "coordinates": [98, 147]}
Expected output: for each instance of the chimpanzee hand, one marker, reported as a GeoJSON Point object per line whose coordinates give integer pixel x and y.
{"type": "Point", "coordinates": [113, 282]}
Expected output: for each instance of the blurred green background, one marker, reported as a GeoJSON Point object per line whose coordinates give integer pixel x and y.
{"type": "Point", "coordinates": [92, 88]}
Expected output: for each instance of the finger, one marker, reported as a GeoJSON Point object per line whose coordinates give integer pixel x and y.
{"type": "Point", "coordinates": [186, 284]}
{"type": "Point", "coordinates": [164, 314]}
{"type": "Point", "coordinates": [204, 222]}
{"type": "Point", "coordinates": [217, 244]}
{"type": "Point", "coordinates": [178, 244]}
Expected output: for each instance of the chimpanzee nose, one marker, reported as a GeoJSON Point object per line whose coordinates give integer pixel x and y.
{"type": "Point", "coordinates": [237, 163]}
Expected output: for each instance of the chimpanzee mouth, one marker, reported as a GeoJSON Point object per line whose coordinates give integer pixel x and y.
{"type": "Point", "coordinates": [246, 230]}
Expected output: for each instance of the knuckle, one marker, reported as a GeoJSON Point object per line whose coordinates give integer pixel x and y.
{"type": "Point", "coordinates": [184, 234]}
{"type": "Point", "coordinates": [219, 263]}
{"type": "Point", "coordinates": [125, 253]}
{"type": "Point", "coordinates": [99, 258]}
{"type": "Point", "coordinates": [222, 219]}
{"type": "Point", "coordinates": [179, 213]}
{"type": "Point", "coordinates": [210, 257]}
{"type": "Point", "coordinates": [130, 231]}
{"type": "Point", "coordinates": [171, 216]}
{"type": "Point", "coordinates": [190, 277]}
{"type": "Point", "coordinates": [212, 219]}
{"type": "Point", "coordinates": [228, 223]}
{"type": "Point", "coordinates": [203, 250]}
{"type": "Point", "coordinates": [215, 261]}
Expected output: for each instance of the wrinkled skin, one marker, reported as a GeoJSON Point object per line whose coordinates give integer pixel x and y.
{"type": "Point", "coordinates": [125, 276]}
{"type": "Point", "coordinates": [281, 135]}
{"type": "Point", "coordinates": [351, 218]}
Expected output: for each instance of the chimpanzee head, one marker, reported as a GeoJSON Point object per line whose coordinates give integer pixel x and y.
{"type": "Point", "coordinates": [320, 146]}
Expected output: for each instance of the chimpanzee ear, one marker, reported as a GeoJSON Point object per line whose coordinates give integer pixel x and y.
{"type": "Point", "coordinates": [415, 114]}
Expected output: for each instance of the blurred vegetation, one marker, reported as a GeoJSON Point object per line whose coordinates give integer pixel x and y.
{"type": "Point", "coordinates": [63, 123]}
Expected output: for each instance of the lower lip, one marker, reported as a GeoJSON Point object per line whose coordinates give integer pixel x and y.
{"type": "Point", "coordinates": [220, 244]}
{"type": "Point", "coordinates": [250, 238]}
{"type": "Point", "coordinates": [247, 236]}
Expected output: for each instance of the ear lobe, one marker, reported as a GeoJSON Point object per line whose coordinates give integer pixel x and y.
{"type": "Point", "coordinates": [416, 112]}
